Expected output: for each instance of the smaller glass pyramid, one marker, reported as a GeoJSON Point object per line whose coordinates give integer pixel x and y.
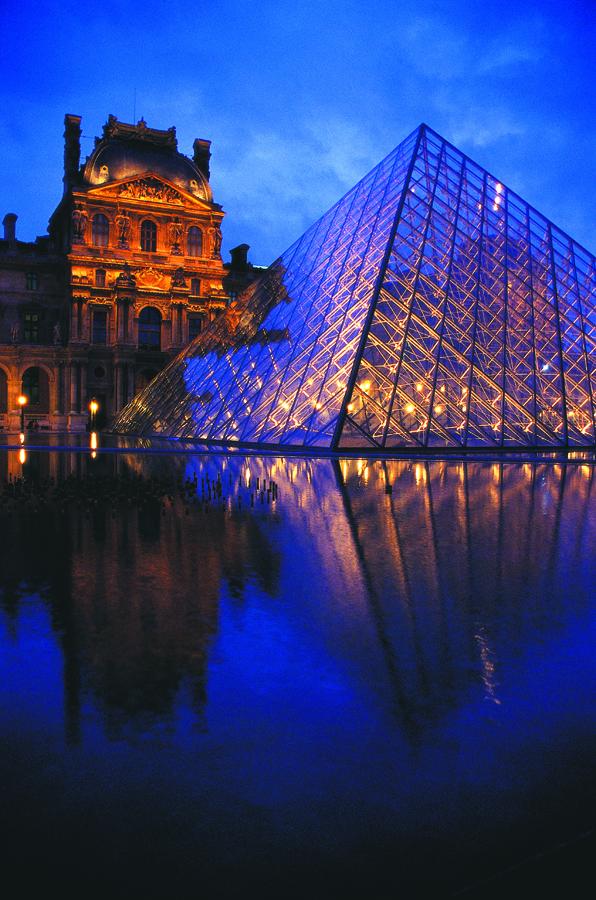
{"type": "Point", "coordinates": [430, 307]}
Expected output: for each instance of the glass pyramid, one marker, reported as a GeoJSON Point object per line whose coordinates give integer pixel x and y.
{"type": "Point", "coordinates": [430, 307]}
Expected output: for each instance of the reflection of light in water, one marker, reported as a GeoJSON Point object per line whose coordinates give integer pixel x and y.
{"type": "Point", "coordinates": [488, 666]}
{"type": "Point", "coordinates": [22, 456]}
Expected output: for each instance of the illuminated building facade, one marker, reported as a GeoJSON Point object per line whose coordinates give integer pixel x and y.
{"type": "Point", "coordinates": [129, 273]}
{"type": "Point", "coordinates": [430, 307]}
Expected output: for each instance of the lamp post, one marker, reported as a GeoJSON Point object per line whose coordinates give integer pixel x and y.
{"type": "Point", "coordinates": [22, 400]}
{"type": "Point", "coordinates": [93, 408]}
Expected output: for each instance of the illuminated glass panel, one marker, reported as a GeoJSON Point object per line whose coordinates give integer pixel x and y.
{"type": "Point", "coordinates": [430, 307]}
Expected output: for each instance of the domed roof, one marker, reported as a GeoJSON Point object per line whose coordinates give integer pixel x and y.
{"type": "Point", "coordinates": [126, 151]}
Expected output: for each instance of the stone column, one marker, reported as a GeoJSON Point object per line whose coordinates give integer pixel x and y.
{"type": "Point", "coordinates": [131, 381]}
{"type": "Point", "coordinates": [73, 387]}
{"type": "Point", "coordinates": [118, 386]}
{"type": "Point", "coordinates": [83, 387]}
{"type": "Point", "coordinates": [74, 320]}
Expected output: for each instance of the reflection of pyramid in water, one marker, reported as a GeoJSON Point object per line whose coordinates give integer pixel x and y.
{"type": "Point", "coordinates": [430, 307]}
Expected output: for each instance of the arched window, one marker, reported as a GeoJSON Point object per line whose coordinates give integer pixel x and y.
{"type": "Point", "coordinates": [148, 236]}
{"type": "Point", "coordinates": [36, 387]}
{"type": "Point", "coordinates": [3, 392]}
{"type": "Point", "coordinates": [150, 329]}
{"type": "Point", "coordinates": [100, 230]}
{"type": "Point", "coordinates": [194, 241]}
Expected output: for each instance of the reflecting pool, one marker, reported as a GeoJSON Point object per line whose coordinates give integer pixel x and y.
{"type": "Point", "coordinates": [223, 675]}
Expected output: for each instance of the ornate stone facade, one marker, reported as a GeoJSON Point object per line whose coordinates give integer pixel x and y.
{"type": "Point", "coordinates": [130, 272]}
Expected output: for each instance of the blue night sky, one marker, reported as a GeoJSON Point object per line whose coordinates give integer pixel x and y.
{"type": "Point", "coordinates": [302, 98]}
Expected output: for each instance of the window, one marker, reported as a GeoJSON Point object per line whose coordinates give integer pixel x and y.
{"type": "Point", "coordinates": [195, 326]}
{"type": "Point", "coordinates": [100, 278]}
{"type": "Point", "coordinates": [150, 329]}
{"type": "Point", "coordinates": [36, 387]}
{"type": "Point", "coordinates": [99, 334]}
{"type": "Point", "coordinates": [31, 327]}
{"type": "Point", "coordinates": [100, 231]}
{"type": "Point", "coordinates": [195, 286]}
{"type": "Point", "coordinates": [194, 241]}
{"type": "Point", "coordinates": [148, 236]}
{"type": "Point", "coordinates": [32, 281]}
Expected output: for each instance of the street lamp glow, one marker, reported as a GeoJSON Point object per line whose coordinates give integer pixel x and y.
{"type": "Point", "coordinates": [93, 407]}
{"type": "Point", "coordinates": [22, 400]}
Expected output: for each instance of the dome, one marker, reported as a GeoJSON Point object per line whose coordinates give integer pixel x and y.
{"type": "Point", "coordinates": [115, 159]}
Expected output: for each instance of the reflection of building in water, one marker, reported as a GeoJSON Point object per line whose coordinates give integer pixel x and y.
{"type": "Point", "coordinates": [134, 586]}
{"type": "Point", "coordinates": [413, 576]}
{"type": "Point", "coordinates": [446, 551]}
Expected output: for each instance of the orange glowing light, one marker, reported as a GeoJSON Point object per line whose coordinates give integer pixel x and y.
{"type": "Point", "coordinates": [93, 440]}
{"type": "Point", "coordinates": [350, 407]}
{"type": "Point", "coordinates": [22, 456]}
{"type": "Point", "coordinates": [93, 407]}
{"type": "Point", "coordinates": [22, 400]}
{"type": "Point", "coordinates": [22, 437]}
{"type": "Point", "coordinates": [419, 386]}
{"type": "Point", "coordinates": [438, 409]}
{"type": "Point", "coordinates": [409, 407]}
{"type": "Point", "coordinates": [364, 385]}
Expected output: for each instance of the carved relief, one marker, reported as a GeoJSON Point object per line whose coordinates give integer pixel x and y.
{"type": "Point", "coordinates": [150, 277]}
{"type": "Point", "coordinates": [178, 279]}
{"type": "Point", "coordinates": [123, 230]}
{"type": "Point", "coordinates": [79, 224]}
{"type": "Point", "coordinates": [150, 189]}
{"type": "Point", "coordinates": [216, 243]}
{"type": "Point", "coordinates": [175, 231]}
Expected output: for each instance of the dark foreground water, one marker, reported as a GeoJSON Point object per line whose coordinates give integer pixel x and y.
{"type": "Point", "coordinates": [369, 680]}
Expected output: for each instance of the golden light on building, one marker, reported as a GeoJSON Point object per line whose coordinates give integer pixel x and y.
{"type": "Point", "coordinates": [409, 407]}
{"type": "Point", "coordinates": [438, 409]}
{"type": "Point", "coordinates": [364, 385]}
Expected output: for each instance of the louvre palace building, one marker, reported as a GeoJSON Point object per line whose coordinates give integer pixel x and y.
{"type": "Point", "coordinates": [129, 272]}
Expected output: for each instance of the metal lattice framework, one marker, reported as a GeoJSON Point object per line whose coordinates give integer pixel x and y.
{"type": "Point", "coordinates": [430, 307]}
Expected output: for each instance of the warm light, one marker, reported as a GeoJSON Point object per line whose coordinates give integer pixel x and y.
{"type": "Point", "coordinates": [247, 477]}
{"type": "Point", "coordinates": [350, 407]}
{"type": "Point", "coordinates": [22, 437]}
{"type": "Point", "coordinates": [438, 409]}
{"type": "Point", "coordinates": [499, 188]}
{"type": "Point", "coordinates": [409, 407]}
{"type": "Point", "coordinates": [22, 400]}
{"type": "Point", "coordinates": [94, 454]}
{"type": "Point", "coordinates": [93, 407]}
{"type": "Point", "coordinates": [318, 405]}
{"type": "Point", "coordinates": [22, 456]}
{"type": "Point", "coordinates": [419, 386]}
{"type": "Point", "coordinates": [93, 440]}
{"type": "Point", "coordinates": [364, 385]}
{"type": "Point", "coordinates": [442, 389]}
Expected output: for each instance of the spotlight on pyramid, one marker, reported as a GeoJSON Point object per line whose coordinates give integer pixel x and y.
{"type": "Point", "coordinates": [429, 308]}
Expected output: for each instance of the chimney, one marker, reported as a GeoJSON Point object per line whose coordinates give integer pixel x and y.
{"type": "Point", "coordinates": [202, 155]}
{"type": "Point", "coordinates": [72, 150]}
{"type": "Point", "coordinates": [239, 258]}
{"type": "Point", "coordinates": [10, 232]}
